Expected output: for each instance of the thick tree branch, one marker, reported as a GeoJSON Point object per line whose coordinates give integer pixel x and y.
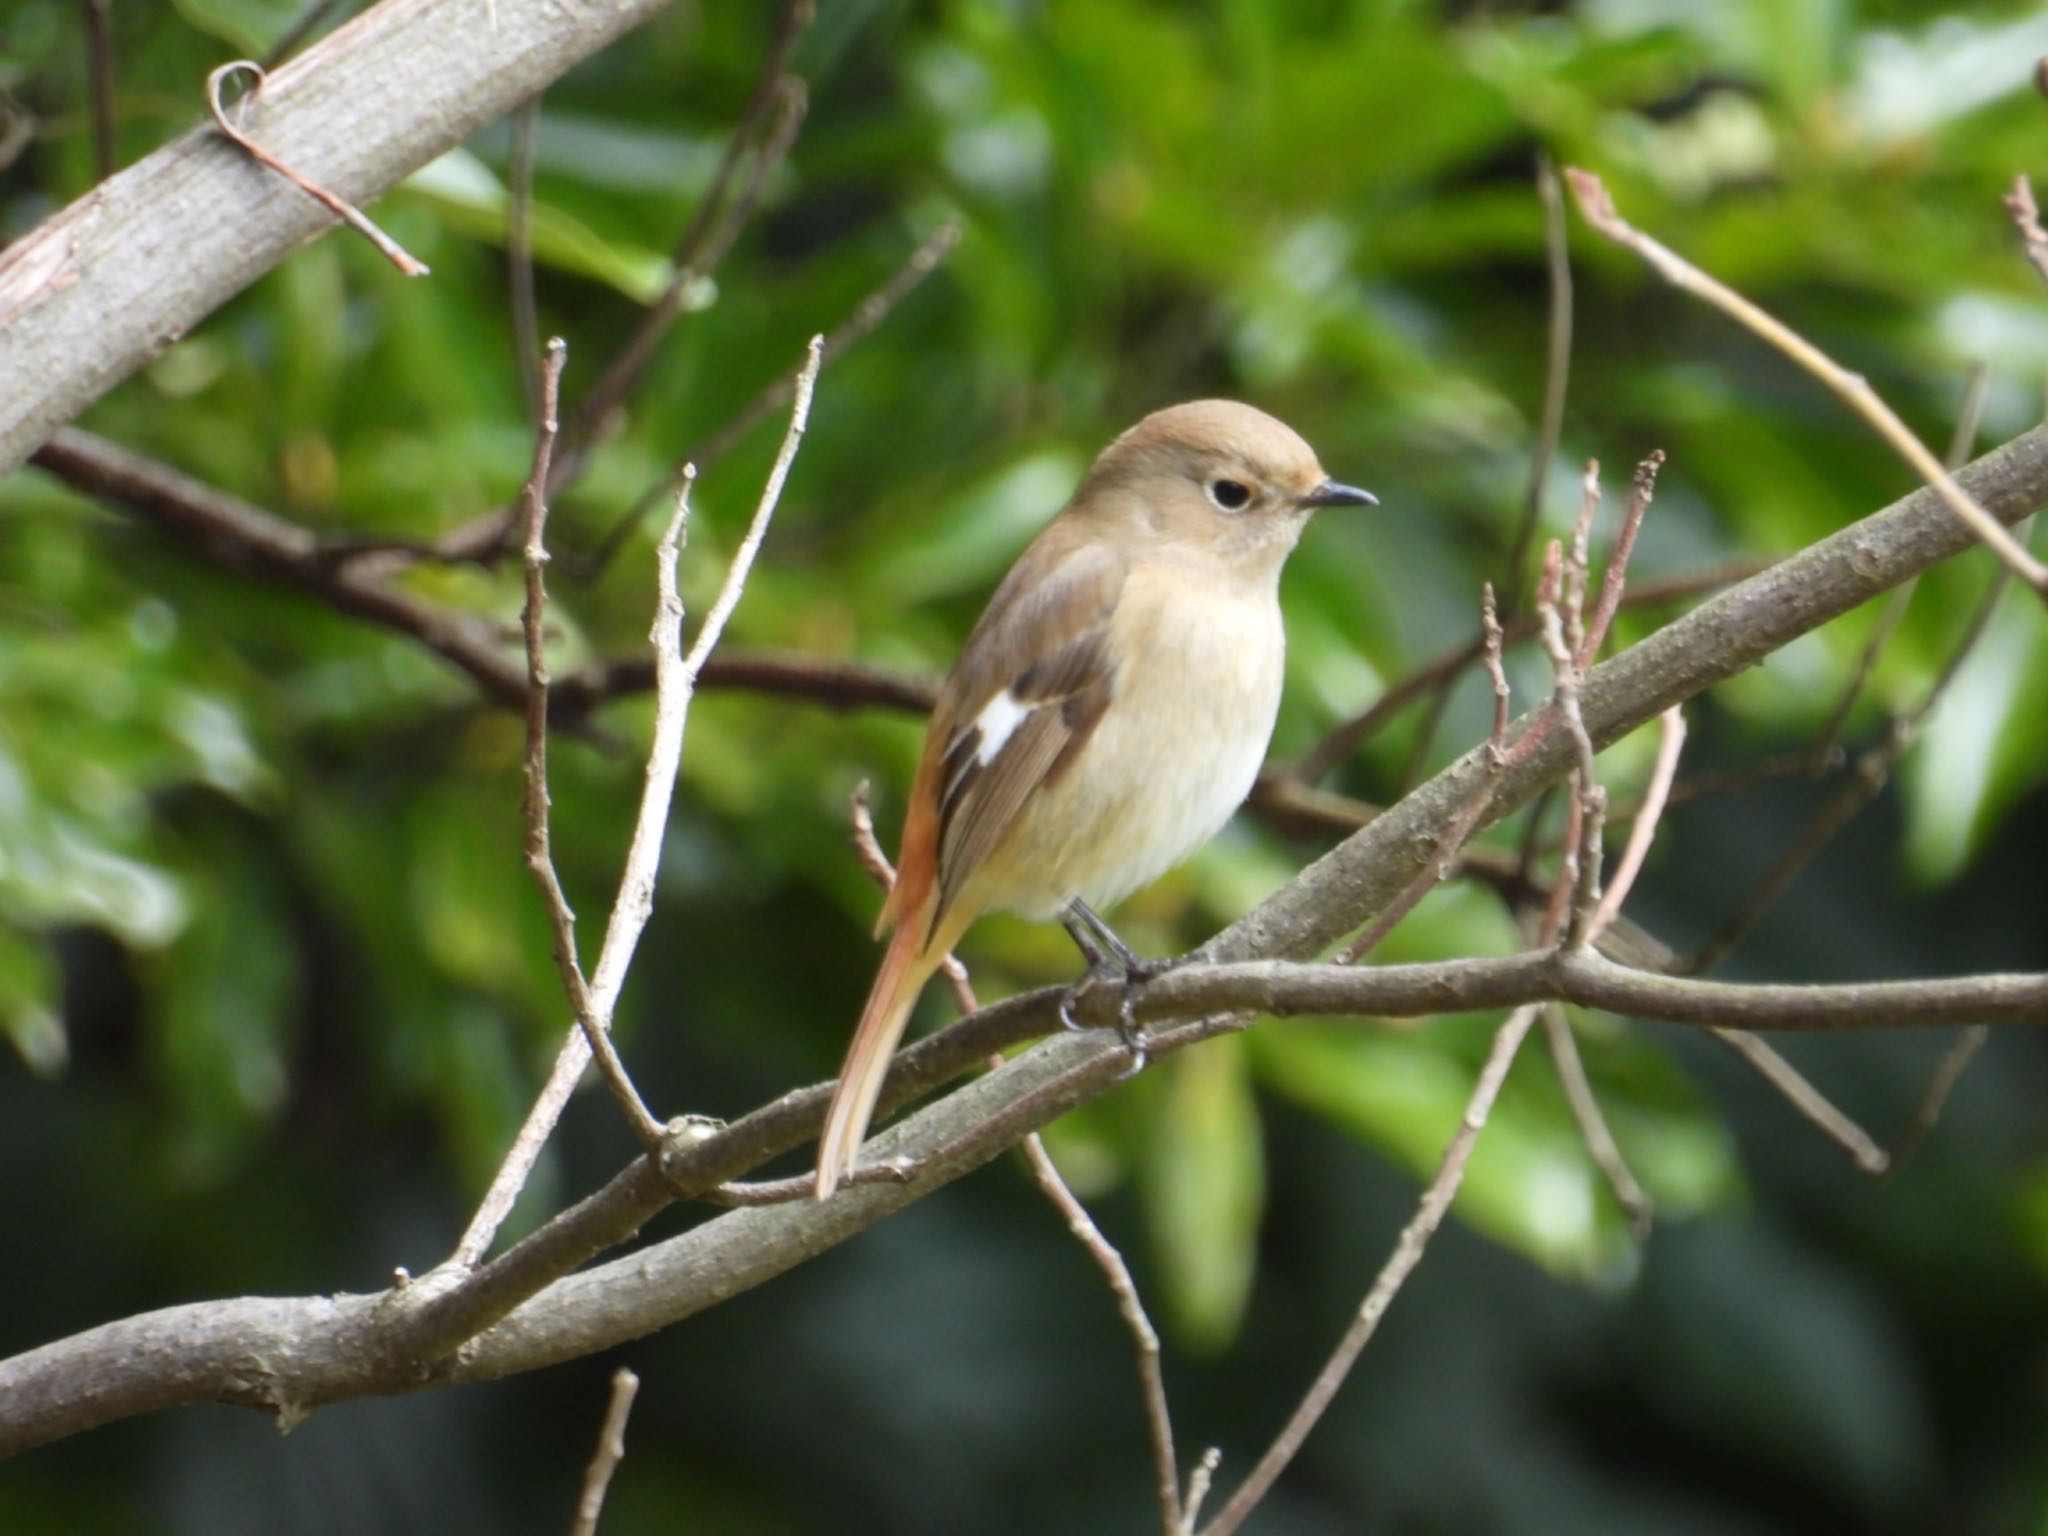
{"type": "Point", "coordinates": [116, 277]}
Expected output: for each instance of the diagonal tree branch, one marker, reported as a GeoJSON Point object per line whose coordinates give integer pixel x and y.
{"type": "Point", "coordinates": [88, 296]}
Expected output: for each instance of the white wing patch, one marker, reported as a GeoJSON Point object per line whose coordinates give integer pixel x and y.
{"type": "Point", "coordinates": [999, 717]}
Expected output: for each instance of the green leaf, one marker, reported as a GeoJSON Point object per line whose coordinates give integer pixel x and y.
{"type": "Point", "coordinates": [472, 200]}
{"type": "Point", "coordinates": [1203, 1178]}
{"type": "Point", "coordinates": [1529, 1183]}
{"type": "Point", "coordinates": [253, 26]}
{"type": "Point", "coordinates": [28, 1003]}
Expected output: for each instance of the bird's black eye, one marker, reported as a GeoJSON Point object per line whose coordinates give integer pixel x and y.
{"type": "Point", "coordinates": [1230, 495]}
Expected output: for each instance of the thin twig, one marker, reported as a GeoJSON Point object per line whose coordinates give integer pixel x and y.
{"type": "Point", "coordinates": [1579, 869]}
{"type": "Point", "coordinates": [341, 208]}
{"type": "Point", "coordinates": [1870, 772]}
{"type": "Point", "coordinates": [519, 250]}
{"type": "Point", "coordinates": [750, 544]}
{"type": "Point", "coordinates": [1643, 831]}
{"type": "Point", "coordinates": [99, 47]}
{"type": "Point", "coordinates": [866, 315]}
{"type": "Point", "coordinates": [1344, 738]}
{"type": "Point", "coordinates": [1636, 1206]}
{"type": "Point", "coordinates": [243, 537]}
{"type": "Point", "coordinates": [2026, 217]}
{"type": "Point", "coordinates": [611, 1449]}
{"type": "Point", "coordinates": [1460, 830]}
{"type": "Point", "coordinates": [593, 1019]}
{"type": "Point", "coordinates": [1947, 1073]}
{"type": "Point", "coordinates": [1614, 580]}
{"type": "Point", "coordinates": [1556, 377]}
{"type": "Point", "coordinates": [1408, 1251]}
{"type": "Point", "coordinates": [1976, 390]}
{"type": "Point", "coordinates": [1597, 205]}
{"type": "Point", "coordinates": [675, 683]}
{"type": "Point", "coordinates": [1811, 1104]}
{"type": "Point", "coordinates": [1131, 1307]}
{"type": "Point", "coordinates": [697, 256]}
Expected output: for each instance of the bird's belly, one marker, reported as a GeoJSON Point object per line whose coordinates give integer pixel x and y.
{"type": "Point", "coordinates": [1174, 756]}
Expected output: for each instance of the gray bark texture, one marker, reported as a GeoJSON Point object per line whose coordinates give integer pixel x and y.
{"type": "Point", "coordinates": [108, 283]}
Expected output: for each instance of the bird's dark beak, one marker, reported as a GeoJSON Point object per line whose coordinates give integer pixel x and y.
{"type": "Point", "coordinates": [1333, 494]}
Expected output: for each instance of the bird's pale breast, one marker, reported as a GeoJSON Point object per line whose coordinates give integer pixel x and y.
{"type": "Point", "coordinates": [1197, 690]}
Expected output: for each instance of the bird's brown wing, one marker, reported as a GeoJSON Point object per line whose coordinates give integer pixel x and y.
{"type": "Point", "coordinates": [1028, 690]}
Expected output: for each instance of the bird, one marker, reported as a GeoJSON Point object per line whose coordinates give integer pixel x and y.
{"type": "Point", "coordinates": [1108, 713]}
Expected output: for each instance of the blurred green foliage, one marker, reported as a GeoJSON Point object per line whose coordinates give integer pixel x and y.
{"type": "Point", "coordinates": [260, 895]}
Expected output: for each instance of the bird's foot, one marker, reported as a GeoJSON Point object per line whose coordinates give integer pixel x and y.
{"type": "Point", "coordinates": [1130, 973]}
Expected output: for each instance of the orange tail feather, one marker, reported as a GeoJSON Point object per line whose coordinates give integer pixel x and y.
{"type": "Point", "coordinates": [907, 965]}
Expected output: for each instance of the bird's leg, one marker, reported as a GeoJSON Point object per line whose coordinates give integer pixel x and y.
{"type": "Point", "coordinates": [1109, 959]}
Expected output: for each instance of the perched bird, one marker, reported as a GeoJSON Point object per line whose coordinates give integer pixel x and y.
{"type": "Point", "coordinates": [1108, 713]}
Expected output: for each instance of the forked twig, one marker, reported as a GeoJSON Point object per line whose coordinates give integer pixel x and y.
{"type": "Point", "coordinates": [1597, 205]}
{"type": "Point", "coordinates": [674, 686]}
{"type": "Point", "coordinates": [340, 207]}
{"type": "Point", "coordinates": [592, 1017]}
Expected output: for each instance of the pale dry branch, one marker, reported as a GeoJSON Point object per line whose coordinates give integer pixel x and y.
{"type": "Point", "coordinates": [1596, 204]}
{"type": "Point", "coordinates": [591, 1017]}
{"type": "Point", "coordinates": [1643, 830]}
{"type": "Point", "coordinates": [89, 296]}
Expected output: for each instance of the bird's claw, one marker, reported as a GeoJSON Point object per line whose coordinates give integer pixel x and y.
{"type": "Point", "coordinates": [1128, 1030]}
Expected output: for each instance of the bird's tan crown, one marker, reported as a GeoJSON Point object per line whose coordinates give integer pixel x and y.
{"type": "Point", "coordinates": [1215, 432]}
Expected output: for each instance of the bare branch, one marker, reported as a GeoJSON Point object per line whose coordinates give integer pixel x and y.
{"type": "Point", "coordinates": [88, 295]}
{"type": "Point", "coordinates": [868, 314]}
{"type": "Point", "coordinates": [1635, 1202]}
{"type": "Point", "coordinates": [1813, 1106]}
{"type": "Point", "coordinates": [675, 683]}
{"type": "Point", "coordinates": [2026, 217]}
{"type": "Point", "coordinates": [1597, 205]}
{"type": "Point", "coordinates": [1459, 832]}
{"type": "Point", "coordinates": [524, 1309]}
{"type": "Point", "coordinates": [1408, 1251]}
{"type": "Point", "coordinates": [611, 1449]}
{"type": "Point", "coordinates": [1614, 579]}
{"type": "Point", "coordinates": [1346, 737]}
{"type": "Point", "coordinates": [594, 1020]}
{"type": "Point", "coordinates": [1927, 1113]}
{"type": "Point", "coordinates": [1643, 831]}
